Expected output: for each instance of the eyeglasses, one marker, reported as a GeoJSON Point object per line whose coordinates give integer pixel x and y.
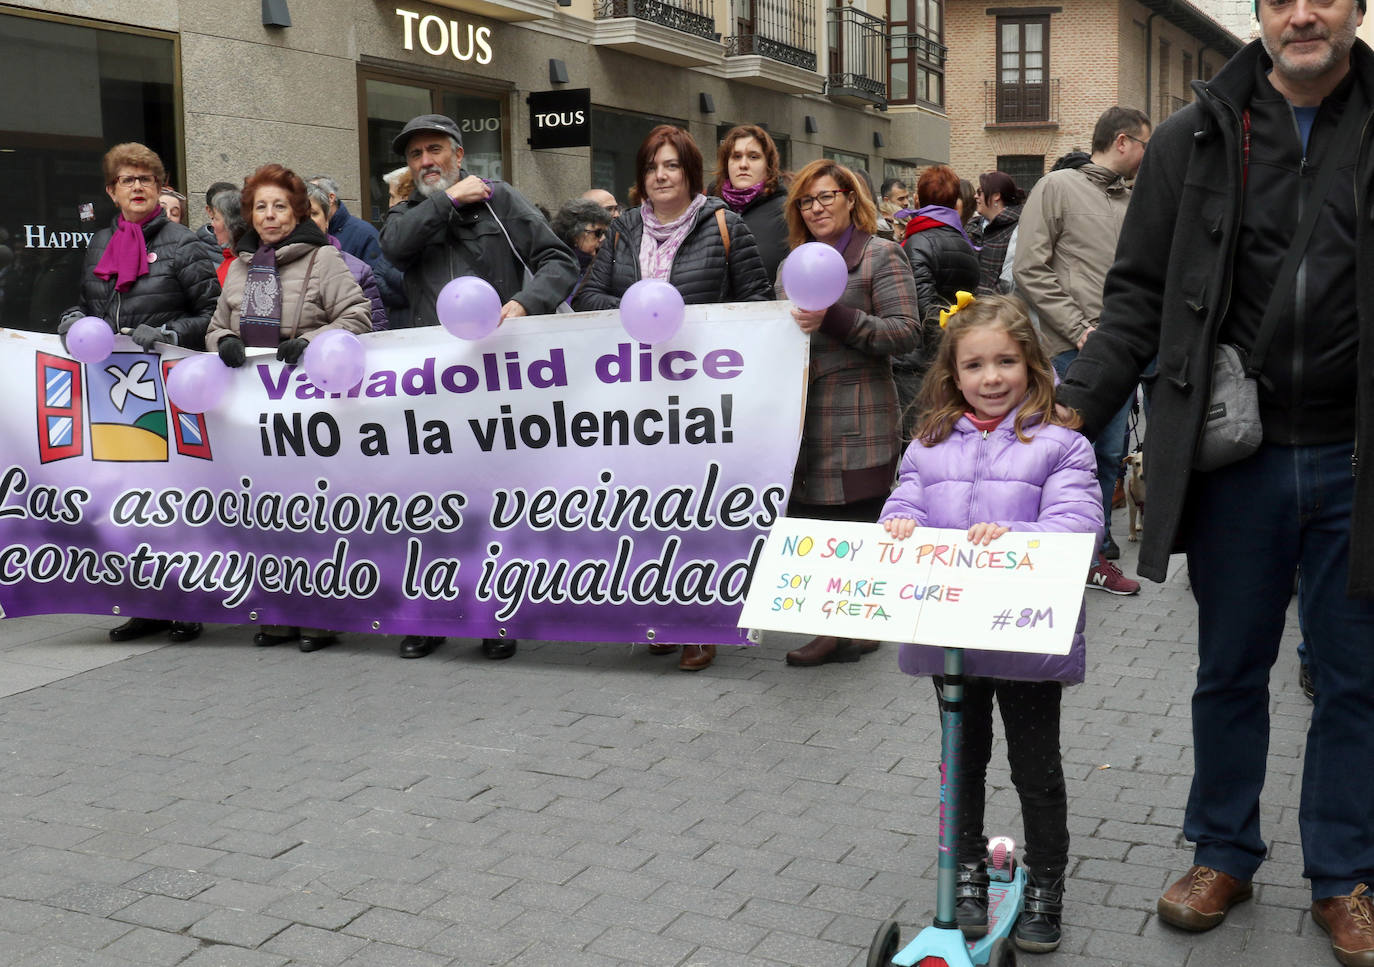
{"type": "Point", "coordinates": [1135, 139]}
{"type": "Point", "coordinates": [826, 198]}
{"type": "Point", "coordinates": [128, 181]}
{"type": "Point", "coordinates": [598, 232]}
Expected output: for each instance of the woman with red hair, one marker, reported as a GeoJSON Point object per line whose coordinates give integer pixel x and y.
{"type": "Point", "coordinates": [286, 285]}
{"type": "Point", "coordinates": [943, 262]}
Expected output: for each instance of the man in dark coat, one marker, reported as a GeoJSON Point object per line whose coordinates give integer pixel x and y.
{"type": "Point", "coordinates": [1223, 186]}
{"type": "Point", "coordinates": [457, 224]}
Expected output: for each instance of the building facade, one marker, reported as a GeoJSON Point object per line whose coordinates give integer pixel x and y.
{"type": "Point", "coordinates": [1030, 79]}
{"type": "Point", "coordinates": [218, 88]}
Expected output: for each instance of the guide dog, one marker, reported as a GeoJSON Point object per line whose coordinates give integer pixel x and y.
{"type": "Point", "coordinates": [1135, 493]}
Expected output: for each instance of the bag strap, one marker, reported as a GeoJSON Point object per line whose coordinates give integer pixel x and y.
{"type": "Point", "coordinates": [514, 250]}
{"type": "Point", "coordinates": [305, 287]}
{"type": "Point", "coordinates": [724, 232]}
{"type": "Point", "coordinates": [1347, 132]}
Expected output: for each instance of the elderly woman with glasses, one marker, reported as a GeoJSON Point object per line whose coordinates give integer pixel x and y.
{"type": "Point", "coordinates": [149, 276]}
{"type": "Point", "coordinates": [581, 225]}
{"type": "Point", "coordinates": [676, 233]}
{"type": "Point", "coordinates": [850, 445]}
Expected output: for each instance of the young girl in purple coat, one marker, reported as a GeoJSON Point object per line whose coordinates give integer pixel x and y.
{"type": "Point", "coordinates": [991, 455]}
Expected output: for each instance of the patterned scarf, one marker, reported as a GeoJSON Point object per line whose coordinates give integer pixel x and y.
{"type": "Point", "coordinates": [740, 198]}
{"type": "Point", "coordinates": [658, 247]}
{"type": "Point", "coordinates": [260, 314]}
{"type": "Point", "coordinates": [126, 257]}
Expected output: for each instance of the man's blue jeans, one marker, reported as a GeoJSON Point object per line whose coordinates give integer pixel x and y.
{"type": "Point", "coordinates": [1247, 528]}
{"type": "Point", "coordinates": [1109, 446]}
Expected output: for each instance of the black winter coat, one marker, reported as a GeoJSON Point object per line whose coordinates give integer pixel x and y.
{"type": "Point", "coordinates": [767, 219]}
{"type": "Point", "coordinates": [434, 242]}
{"type": "Point", "coordinates": [699, 271]}
{"type": "Point", "coordinates": [1171, 287]}
{"type": "Point", "coordinates": [179, 291]}
{"type": "Point", "coordinates": [996, 240]}
{"type": "Point", "coordinates": [943, 263]}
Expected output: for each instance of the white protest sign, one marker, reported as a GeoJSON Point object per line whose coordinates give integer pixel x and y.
{"type": "Point", "coordinates": [1022, 592]}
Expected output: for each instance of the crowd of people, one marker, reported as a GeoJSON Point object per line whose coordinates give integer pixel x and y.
{"type": "Point", "coordinates": [983, 331]}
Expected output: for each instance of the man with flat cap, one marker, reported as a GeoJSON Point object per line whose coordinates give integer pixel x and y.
{"type": "Point", "coordinates": [456, 224]}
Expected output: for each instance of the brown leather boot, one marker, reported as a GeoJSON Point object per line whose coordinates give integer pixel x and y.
{"type": "Point", "coordinates": [696, 657]}
{"type": "Point", "coordinates": [821, 650]}
{"type": "Point", "coordinates": [1200, 899]}
{"type": "Point", "coordinates": [1350, 922]}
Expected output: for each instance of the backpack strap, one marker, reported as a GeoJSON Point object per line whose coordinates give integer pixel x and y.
{"type": "Point", "coordinates": [724, 232]}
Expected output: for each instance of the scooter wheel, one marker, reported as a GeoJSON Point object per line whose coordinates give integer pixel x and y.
{"type": "Point", "coordinates": [1002, 953]}
{"type": "Point", "coordinates": [886, 942]}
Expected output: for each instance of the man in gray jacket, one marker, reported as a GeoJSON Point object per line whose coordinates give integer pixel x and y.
{"type": "Point", "coordinates": [458, 224]}
{"type": "Point", "coordinates": [1067, 238]}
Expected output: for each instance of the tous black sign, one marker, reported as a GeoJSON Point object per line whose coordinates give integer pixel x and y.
{"type": "Point", "coordinates": [560, 119]}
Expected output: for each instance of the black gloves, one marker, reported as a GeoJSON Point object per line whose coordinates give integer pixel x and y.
{"type": "Point", "coordinates": [145, 335]}
{"type": "Point", "coordinates": [231, 351]}
{"type": "Point", "coordinates": [292, 350]}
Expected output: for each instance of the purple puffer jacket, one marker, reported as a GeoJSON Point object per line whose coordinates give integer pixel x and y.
{"type": "Point", "coordinates": [1048, 484]}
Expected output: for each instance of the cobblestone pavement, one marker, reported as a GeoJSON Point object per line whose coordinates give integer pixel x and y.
{"type": "Point", "coordinates": [581, 805]}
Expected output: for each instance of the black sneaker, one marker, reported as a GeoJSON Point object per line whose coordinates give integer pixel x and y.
{"type": "Point", "coordinates": [1110, 550]}
{"type": "Point", "coordinates": [1038, 930]}
{"type": "Point", "coordinates": [971, 900]}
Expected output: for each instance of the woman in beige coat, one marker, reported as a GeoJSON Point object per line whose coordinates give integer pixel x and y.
{"type": "Point", "coordinates": [286, 285]}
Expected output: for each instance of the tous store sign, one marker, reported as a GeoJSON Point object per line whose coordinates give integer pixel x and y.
{"type": "Point", "coordinates": [438, 36]}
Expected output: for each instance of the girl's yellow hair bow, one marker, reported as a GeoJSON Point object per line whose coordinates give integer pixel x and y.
{"type": "Point", "coordinates": [961, 299]}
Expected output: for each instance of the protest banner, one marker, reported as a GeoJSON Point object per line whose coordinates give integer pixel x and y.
{"type": "Point", "coordinates": [555, 480]}
{"type": "Point", "coordinates": [1022, 592]}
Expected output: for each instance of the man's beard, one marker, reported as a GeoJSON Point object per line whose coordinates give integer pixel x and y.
{"type": "Point", "coordinates": [1339, 43]}
{"type": "Point", "coordinates": [447, 178]}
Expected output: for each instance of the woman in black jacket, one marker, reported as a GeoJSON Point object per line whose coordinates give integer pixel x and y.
{"type": "Point", "coordinates": [943, 263]}
{"type": "Point", "coordinates": [677, 234]}
{"type": "Point", "coordinates": [999, 202]}
{"type": "Point", "coordinates": [150, 277]}
{"type": "Point", "coordinates": [749, 181]}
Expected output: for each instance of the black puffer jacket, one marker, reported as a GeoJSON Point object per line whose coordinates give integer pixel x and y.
{"type": "Point", "coordinates": [943, 263]}
{"type": "Point", "coordinates": [179, 291]}
{"type": "Point", "coordinates": [699, 270]}
{"type": "Point", "coordinates": [767, 219]}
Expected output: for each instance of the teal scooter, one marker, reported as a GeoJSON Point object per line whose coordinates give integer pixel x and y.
{"type": "Point", "coordinates": [942, 944]}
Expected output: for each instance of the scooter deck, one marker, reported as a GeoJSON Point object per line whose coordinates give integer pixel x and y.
{"type": "Point", "coordinates": [1004, 905]}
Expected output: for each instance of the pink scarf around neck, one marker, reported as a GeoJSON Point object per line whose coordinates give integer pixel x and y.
{"type": "Point", "coordinates": [659, 244]}
{"type": "Point", "coordinates": [126, 257]}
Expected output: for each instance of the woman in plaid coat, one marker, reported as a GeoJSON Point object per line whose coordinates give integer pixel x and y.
{"type": "Point", "coordinates": [850, 445]}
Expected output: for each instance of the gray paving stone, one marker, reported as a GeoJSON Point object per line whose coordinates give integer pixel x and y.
{"type": "Point", "coordinates": [311, 945]}
{"type": "Point", "coordinates": [222, 956]}
{"type": "Point", "coordinates": [153, 948]}
{"type": "Point", "coordinates": [181, 884]}
{"type": "Point", "coordinates": [237, 928]}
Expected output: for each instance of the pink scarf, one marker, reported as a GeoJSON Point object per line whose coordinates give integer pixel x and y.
{"type": "Point", "coordinates": [659, 244]}
{"type": "Point", "coordinates": [739, 198]}
{"type": "Point", "coordinates": [126, 257]}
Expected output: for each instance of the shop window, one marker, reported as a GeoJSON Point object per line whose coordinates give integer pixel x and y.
{"type": "Point", "coordinates": [391, 102]}
{"type": "Point", "coordinates": [98, 88]}
{"type": "Point", "coordinates": [616, 137]}
{"type": "Point", "coordinates": [855, 162]}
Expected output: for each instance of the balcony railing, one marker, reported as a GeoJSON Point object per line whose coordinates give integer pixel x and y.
{"type": "Point", "coordinates": [690, 16]}
{"type": "Point", "coordinates": [857, 44]}
{"type": "Point", "coordinates": [927, 50]}
{"type": "Point", "coordinates": [781, 30]}
{"type": "Point", "coordinates": [1028, 104]}
{"type": "Point", "coordinates": [1168, 104]}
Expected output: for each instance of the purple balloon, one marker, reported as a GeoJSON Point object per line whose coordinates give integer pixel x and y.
{"type": "Point", "coordinates": [814, 276]}
{"type": "Point", "coordinates": [198, 383]}
{"type": "Point", "coordinates": [90, 340]}
{"type": "Point", "coordinates": [334, 361]}
{"type": "Point", "coordinates": [651, 310]}
{"type": "Point", "coordinates": [469, 307]}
